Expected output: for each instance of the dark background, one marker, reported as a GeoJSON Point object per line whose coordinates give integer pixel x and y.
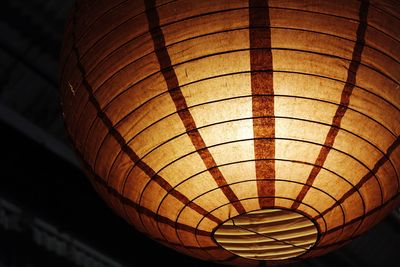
{"type": "Point", "coordinates": [49, 214]}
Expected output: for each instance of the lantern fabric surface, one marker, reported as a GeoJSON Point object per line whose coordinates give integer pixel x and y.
{"type": "Point", "coordinates": [238, 131]}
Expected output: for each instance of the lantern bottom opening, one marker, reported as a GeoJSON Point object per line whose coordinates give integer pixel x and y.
{"type": "Point", "coordinates": [267, 234]}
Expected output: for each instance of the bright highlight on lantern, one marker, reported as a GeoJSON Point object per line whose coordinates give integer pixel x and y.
{"type": "Point", "coordinates": [238, 131]}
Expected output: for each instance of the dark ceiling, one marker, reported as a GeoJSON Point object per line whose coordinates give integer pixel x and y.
{"type": "Point", "coordinates": [49, 215]}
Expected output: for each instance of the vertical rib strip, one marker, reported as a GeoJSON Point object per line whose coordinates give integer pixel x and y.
{"type": "Point", "coordinates": [125, 147]}
{"type": "Point", "coordinates": [366, 177]}
{"type": "Point", "coordinates": [179, 100]}
{"type": "Point", "coordinates": [263, 100]}
{"type": "Point", "coordinates": [344, 103]}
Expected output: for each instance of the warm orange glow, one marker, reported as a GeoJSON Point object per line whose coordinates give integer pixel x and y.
{"type": "Point", "coordinates": [200, 120]}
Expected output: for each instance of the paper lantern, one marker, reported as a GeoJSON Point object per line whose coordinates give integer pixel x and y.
{"type": "Point", "coordinates": [236, 131]}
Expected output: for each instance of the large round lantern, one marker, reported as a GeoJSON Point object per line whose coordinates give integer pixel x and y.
{"type": "Point", "coordinates": [240, 132]}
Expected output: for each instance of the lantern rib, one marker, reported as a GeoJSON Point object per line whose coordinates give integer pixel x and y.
{"type": "Point", "coordinates": [193, 152]}
{"type": "Point", "coordinates": [249, 118]}
{"type": "Point", "coordinates": [138, 208]}
{"type": "Point", "coordinates": [128, 150]}
{"type": "Point", "coordinates": [91, 25]}
{"type": "Point", "coordinates": [299, 119]}
{"type": "Point", "coordinates": [222, 11]}
{"type": "Point", "coordinates": [244, 50]}
{"type": "Point", "coordinates": [149, 213]}
{"type": "Point", "coordinates": [253, 180]}
{"type": "Point", "coordinates": [157, 217]}
{"type": "Point", "coordinates": [280, 180]}
{"type": "Point", "coordinates": [225, 52]}
{"type": "Point", "coordinates": [179, 100]}
{"type": "Point", "coordinates": [248, 72]}
{"type": "Point", "coordinates": [291, 140]}
{"type": "Point", "coordinates": [116, 124]}
{"type": "Point", "coordinates": [277, 179]}
{"type": "Point", "coordinates": [394, 198]}
{"type": "Point", "coordinates": [368, 176]}
{"type": "Point", "coordinates": [262, 107]}
{"type": "Point", "coordinates": [341, 227]}
{"type": "Point", "coordinates": [240, 119]}
{"type": "Point", "coordinates": [89, 72]}
{"type": "Point", "coordinates": [286, 139]}
{"type": "Point", "coordinates": [106, 106]}
{"type": "Point", "coordinates": [277, 159]}
{"type": "Point", "coordinates": [298, 10]}
{"type": "Point", "coordinates": [344, 101]}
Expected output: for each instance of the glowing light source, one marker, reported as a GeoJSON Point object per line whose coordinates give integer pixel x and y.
{"type": "Point", "coordinates": [238, 131]}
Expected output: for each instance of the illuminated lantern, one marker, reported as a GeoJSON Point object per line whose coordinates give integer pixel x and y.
{"type": "Point", "coordinates": [238, 131]}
